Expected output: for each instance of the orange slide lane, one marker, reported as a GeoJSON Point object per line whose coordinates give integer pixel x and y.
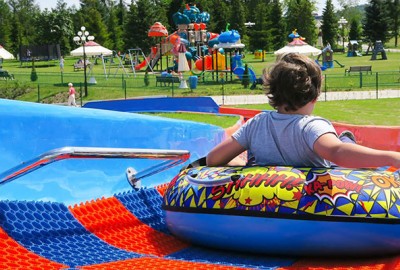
{"type": "Point", "coordinates": [379, 137]}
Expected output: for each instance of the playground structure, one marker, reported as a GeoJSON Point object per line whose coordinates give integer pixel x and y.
{"type": "Point", "coordinates": [327, 58]}
{"type": "Point", "coordinates": [353, 48]}
{"type": "Point", "coordinates": [209, 55]}
{"type": "Point", "coordinates": [378, 49]}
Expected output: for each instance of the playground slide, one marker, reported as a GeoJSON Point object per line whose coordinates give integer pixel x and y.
{"type": "Point", "coordinates": [240, 70]}
{"type": "Point", "coordinates": [153, 58]}
{"type": "Point", "coordinates": [341, 65]}
{"type": "Point", "coordinates": [143, 64]}
{"type": "Point", "coordinates": [321, 66]}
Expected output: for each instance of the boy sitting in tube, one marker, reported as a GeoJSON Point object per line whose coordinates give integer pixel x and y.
{"type": "Point", "coordinates": [291, 136]}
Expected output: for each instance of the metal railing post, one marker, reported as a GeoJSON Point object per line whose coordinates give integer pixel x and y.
{"type": "Point", "coordinates": [376, 83]}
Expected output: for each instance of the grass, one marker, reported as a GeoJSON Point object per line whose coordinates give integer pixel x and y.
{"type": "Point", "coordinates": [212, 119]}
{"type": "Point", "coordinates": [51, 83]}
{"type": "Point", "coordinates": [377, 112]}
{"type": "Point", "coordinates": [382, 112]}
{"type": "Point", "coordinates": [116, 84]}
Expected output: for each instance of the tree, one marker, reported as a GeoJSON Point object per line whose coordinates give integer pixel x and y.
{"type": "Point", "coordinates": [237, 17]}
{"type": "Point", "coordinates": [174, 7]}
{"type": "Point", "coordinates": [94, 21]}
{"type": "Point", "coordinates": [141, 16]}
{"type": "Point", "coordinates": [5, 25]}
{"type": "Point", "coordinates": [121, 13]}
{"type": "Point", "coordinates": [55, 27]}
{"type": "Point", "coordinates": [394, 8]}
{"type": "Point", "coordinates": [300, 16]}
{"type": "Point", "coordinates": [63, 26]}
{"type": "Point", "coordinates": [246, 77]}
{"type": "Point", "coordinates": [376, 22]}
{"type": "Point", "coordinates": [260, 38]}
{"type": "Point", "coordinates": [219, 15]}
{"type": "Point", "coordinates": [329, 25]}
{"type": "Point", "coordinates": [277, 26]}
{"type": "Point", "coordinates": [22, 23]}
{"type": "Point", "coordinates": [34, 75]}
{"type": "Point", "coordinates": [146, 78]}
{"type": "Point", "coordinates": [355, 30]}
{"type": "Point", "coordinates": [115, 30]}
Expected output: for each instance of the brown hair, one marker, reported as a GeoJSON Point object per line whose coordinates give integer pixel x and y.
{"type": "Point", "coordinates": [293, 81]}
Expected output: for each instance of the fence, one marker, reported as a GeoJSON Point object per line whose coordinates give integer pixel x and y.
{"type": "Point", "coordinates": [52, 87]}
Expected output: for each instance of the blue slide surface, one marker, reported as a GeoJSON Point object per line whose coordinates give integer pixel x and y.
{"type": "Point", "coordinates": [29, 130]}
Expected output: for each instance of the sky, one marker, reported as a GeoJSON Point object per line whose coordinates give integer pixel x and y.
{"type": "Point", "coordinates": [52, 4]}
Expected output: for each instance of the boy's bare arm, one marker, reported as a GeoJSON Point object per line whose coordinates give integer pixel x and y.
{"type": "Point", "coordinates": [349, 155]}
{"type": "Point", "coordinates": [223, 153]}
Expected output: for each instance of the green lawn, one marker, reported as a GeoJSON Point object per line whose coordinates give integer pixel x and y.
{"type": "Point", "coordinates": [114, 83]}
{"type": "Point", "coordinates": [382, 112]}
{"type": "Point", "coordinates": [217, 120]}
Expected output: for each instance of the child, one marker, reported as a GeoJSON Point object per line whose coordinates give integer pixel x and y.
{"type": "Point", "coordinates": [291, 136]}
{"type": "Point", "coordinates": [71, 95]}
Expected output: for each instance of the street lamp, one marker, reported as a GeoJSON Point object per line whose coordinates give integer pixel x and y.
{"type": "Point", "coordinates": [342, 22]}
{"type": "Point", "coordinates": [80, 39]}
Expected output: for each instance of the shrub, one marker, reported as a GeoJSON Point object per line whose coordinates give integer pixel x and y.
{"type": "Point", "coordinates": [34, 75]}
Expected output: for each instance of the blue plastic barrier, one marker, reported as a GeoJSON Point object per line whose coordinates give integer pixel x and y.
{"type": "Point", "coordinates": [195, 104]}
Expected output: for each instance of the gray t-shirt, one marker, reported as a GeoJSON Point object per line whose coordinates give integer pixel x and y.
{"type": "Point", "coordinates": [272, 138]}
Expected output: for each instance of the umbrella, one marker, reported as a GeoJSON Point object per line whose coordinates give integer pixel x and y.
{"type": "Point", "coordinates": [5, 54]}
{"type": "Point", "coordinates": [91, 49]}
{"type": "Point", "coordinates": [298, 46]}
{"type": "Point", "coordinates": [182, 61]}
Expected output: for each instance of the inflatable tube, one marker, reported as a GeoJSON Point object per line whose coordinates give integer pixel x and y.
{"type": "Point", "coordinates": [286, 210]}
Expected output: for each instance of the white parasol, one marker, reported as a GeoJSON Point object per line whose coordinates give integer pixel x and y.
{"type": "Point", "coordinates": [5, 54]}
{"type": "Point", "coordinates": [91, 49]}
{"type": "Point", "coordinates": [298, 46]}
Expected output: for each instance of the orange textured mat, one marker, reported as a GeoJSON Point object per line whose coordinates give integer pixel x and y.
{"type": "Point", "coordinates": [159, 263]}
{"type": "Point", "coordinates": [162, 188]}
{"type": "Point", "coordinates": [392, 263]}
{"type": "Point", "coordinates": [15, 256]}
{"type": "Point", "coordinates": [109, 220]}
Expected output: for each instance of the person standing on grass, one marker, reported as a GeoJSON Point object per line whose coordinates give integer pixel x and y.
{"type": "Point", "coordinates": [71, 93]}
{"type": "Point", "coordinates": [291, 136]}
{"type": "Point", "coordinates": [62, 64]}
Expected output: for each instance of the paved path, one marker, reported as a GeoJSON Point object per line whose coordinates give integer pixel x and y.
{"type": "Point", "coordinates": [342, 95]}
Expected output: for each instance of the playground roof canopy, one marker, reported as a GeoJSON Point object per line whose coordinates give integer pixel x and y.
{"type": "Point", "coordinates": [5, 54]}
{"type": "Point", "coordinates": [91, 49]}
{"type": "Point", "coordinates": [298, 46]}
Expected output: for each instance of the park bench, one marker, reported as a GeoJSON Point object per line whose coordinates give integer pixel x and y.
{"type": "Point", "coordinates": [358, 69]}
{"type": "Point", "coordinates": [166, 79]}
{"type": "Point", "coordinates": [79, 66]}
{"type": "Point", "coordinates": [4, 74]}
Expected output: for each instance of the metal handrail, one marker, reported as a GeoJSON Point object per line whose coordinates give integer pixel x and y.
{"type": "Point", "coordinates": [174, 157]}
